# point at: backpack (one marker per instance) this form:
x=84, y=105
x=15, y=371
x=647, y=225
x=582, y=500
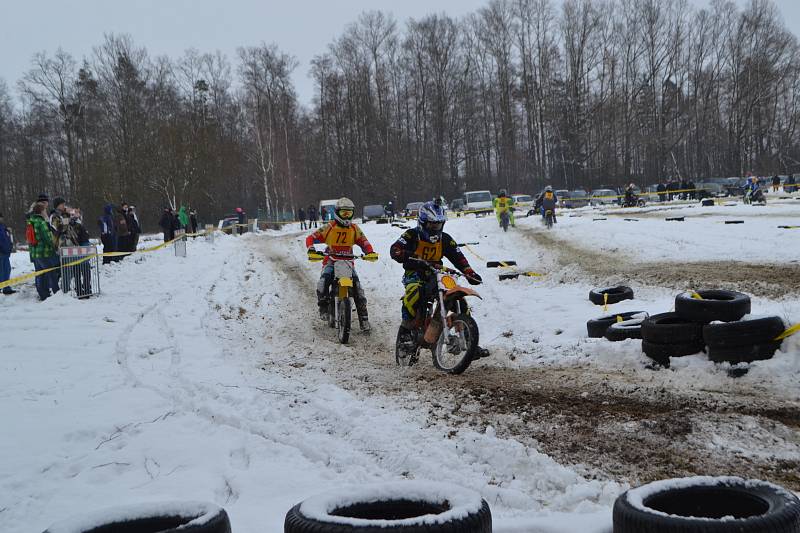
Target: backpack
x=30, y=235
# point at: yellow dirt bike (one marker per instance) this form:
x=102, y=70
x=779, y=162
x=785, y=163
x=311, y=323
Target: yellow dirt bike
x=340, y=291
x=444, y=324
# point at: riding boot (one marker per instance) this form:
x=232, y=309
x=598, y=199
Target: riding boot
x=363, y=319
x=322, y=303
x=405, y=341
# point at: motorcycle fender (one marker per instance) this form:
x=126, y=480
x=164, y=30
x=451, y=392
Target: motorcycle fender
x=461, y=292
x=344, y=287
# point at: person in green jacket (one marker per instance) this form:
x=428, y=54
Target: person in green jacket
x=43, y=253
x=504, y=204
x=183, y=216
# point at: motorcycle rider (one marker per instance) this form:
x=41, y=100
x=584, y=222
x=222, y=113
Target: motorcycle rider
x=504, y=204
x=339, y=235
x=427, y=242
x=630, y=199
x=546, y=201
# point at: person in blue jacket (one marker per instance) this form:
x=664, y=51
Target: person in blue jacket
x=6, y=247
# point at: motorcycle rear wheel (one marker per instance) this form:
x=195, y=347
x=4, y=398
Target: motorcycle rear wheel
x=457, y=345
x=343, y=320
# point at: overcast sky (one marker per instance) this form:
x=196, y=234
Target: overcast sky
x=300, y=27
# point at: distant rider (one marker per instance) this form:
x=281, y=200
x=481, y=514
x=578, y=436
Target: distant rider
x=546, y=201
x=630, y=196
x=504, y=204
x=427, y=242
x=340, y=235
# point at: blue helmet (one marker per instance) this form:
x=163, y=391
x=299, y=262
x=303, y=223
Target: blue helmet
x=430, y=221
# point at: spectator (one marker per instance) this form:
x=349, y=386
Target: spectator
x=241, y=220
x=83, y=279
x=193, y=221
x=672, y=186
x=6, y=247
x=312, y=216
x=134, y=227
x=661, y=189
x=108, y=233
x=692, y=192
x=776, y=183
x=123, y=232
x=789, y=186
x=183, y=217
x=168, y=224
x=43, y=252
x=301, y=214
x=389, y=210
x=59, y=221
x=683, y=186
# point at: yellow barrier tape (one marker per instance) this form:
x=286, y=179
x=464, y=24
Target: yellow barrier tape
x=791, y=331
x=30, y=275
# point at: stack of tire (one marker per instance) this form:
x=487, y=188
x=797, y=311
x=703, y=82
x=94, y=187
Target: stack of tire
x=710, y=320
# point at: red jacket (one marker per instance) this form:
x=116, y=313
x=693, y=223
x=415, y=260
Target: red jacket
x=339, y=239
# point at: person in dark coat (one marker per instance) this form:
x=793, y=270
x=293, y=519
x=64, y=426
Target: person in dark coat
x=661, y=189
x=312, y=216
x=790, y=185
x=123, y=232
x=692, y=192
x=6, y=247
x=108, y=232
x=168, y=224
x=241, y=220
x=301, y=214
x=134, y=227
x=776, y=183
x=193, y=220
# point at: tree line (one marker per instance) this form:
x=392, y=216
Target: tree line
x=518, y=94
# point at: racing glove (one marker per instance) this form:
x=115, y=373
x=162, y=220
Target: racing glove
x=472, y=276
x=371, y=257
x=314, y=255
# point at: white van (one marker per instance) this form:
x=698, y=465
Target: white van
x=478, y=201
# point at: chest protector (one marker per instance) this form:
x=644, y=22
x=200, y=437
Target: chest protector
x=339, y=237
x=428, y=251
x=548, y=195
x=503, y=203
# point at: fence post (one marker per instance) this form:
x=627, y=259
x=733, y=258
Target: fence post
x=180, y=243
x=210, y=232
x=82, y=279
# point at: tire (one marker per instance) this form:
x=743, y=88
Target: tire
x=671, y=328
x=438, y=511
x=461, y=363
x=627, y=329
x=708, y=202
x=331, y=309
x=343, y=320
x=725, y=306
x=743, y=333
x=615, y=295
x=743, y=354
x=661, y=353
x=597, y=327
x=672, y=506
x=174, y=517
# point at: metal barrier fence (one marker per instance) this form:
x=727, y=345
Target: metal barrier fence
x=80, y=270
x=210, y=232
x=180, y=243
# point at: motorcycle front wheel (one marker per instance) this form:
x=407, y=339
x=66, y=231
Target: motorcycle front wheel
x=343, y=320
x=457, y=345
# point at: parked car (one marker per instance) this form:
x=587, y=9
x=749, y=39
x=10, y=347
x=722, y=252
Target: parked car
x=412, y=209
x=604, y=197
x=228, y=224
x=457, y=205
x=478, y=201
x=373, y=212
x=523, y=203
x=710, y=189
x=577, y=198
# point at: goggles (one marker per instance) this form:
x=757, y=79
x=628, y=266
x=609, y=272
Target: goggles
x=434, y=226
x=346, y=214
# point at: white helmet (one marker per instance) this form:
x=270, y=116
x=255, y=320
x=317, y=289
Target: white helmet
x=548, y=188
x=344, y=211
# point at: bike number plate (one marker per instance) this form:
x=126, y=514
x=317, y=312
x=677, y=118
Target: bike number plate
x=448, y=282
x=345, y=282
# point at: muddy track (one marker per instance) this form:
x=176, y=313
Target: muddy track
x=773, y=281
x=628, y=426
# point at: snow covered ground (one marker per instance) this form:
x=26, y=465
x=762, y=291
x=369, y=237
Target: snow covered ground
x=210, y=378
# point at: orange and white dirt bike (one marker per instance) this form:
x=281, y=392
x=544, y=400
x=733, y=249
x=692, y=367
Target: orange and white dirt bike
x=443, y=324
x=340, y=292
